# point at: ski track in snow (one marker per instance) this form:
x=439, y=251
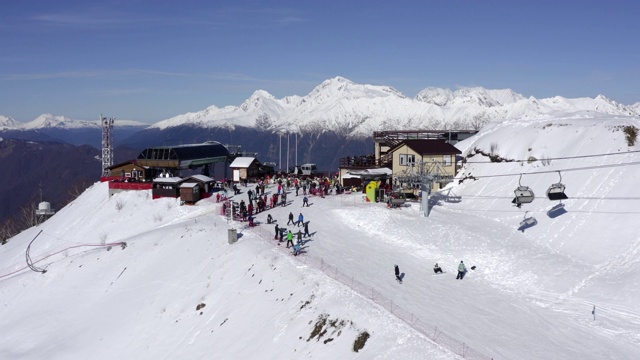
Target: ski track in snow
x=391, y=227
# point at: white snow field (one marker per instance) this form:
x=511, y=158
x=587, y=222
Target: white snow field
x=179, y=290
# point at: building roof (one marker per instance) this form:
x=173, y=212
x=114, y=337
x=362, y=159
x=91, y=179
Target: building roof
x=201, y=178
x=369, y=174
x=183, y=156
x=169, y=180
x=188, y=185
x=429, y=147
x=242, y=162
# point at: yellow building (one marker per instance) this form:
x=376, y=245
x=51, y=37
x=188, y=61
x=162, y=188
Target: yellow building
x=436, y=158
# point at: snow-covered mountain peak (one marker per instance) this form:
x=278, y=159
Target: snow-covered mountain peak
x=48, y=120
x=435, y=96
x=7, y=122
x=256, y=100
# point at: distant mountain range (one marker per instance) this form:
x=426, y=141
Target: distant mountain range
x=348, y=109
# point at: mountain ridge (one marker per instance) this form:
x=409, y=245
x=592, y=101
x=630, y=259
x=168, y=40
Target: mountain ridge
x=356, y=110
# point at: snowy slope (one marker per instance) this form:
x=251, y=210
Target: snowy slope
x=530, y=297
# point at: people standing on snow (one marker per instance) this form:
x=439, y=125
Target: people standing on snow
x=305, y=201
x=277, y=231
x=289, y=238
x=437, y=269
x=299, y=241
x=300, y=220
x=461, y=270
x=397, y=272
x=291, y=219
x=306, y=229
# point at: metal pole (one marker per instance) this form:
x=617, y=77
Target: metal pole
x=288, y=152
x=280, y=159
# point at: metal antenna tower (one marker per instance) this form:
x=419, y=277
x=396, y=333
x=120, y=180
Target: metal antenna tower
x=107, y=144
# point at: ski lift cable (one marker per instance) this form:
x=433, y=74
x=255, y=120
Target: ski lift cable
x=553, y=171
x=557, y=158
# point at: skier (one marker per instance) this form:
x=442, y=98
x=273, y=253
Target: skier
x=461, y=270
x=299, y=233
x=291, y=219
x=300, y=220
x=397, y=271
x=437, y=269
x=269, y=219
x=306, y=229
x=289, y=238
x=277, y=231
x=305, y=201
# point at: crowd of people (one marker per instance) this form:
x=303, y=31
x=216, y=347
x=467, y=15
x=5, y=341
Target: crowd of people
x=257, y=203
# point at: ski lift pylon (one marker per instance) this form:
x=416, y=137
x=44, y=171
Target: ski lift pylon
x=524, y=194
x=556, y=191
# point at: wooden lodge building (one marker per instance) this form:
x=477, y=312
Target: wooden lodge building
x=409, y=155
x=158, y=169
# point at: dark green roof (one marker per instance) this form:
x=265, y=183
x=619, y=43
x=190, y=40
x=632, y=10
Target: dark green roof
x=184, y=155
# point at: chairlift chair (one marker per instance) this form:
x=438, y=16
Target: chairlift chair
x=524, y=194
x=556, y=191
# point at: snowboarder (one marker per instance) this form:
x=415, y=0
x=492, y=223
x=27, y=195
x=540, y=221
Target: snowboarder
x=291, y=219
x=269, y=219
x=461, y=270
x=296, y=249
x=305, y=201
x=397, y=272
x=437, y=269
x=277, y=231
x=289, y=238
x=300, y=220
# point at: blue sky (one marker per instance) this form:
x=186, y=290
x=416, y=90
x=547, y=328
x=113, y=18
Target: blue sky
x=151, y=60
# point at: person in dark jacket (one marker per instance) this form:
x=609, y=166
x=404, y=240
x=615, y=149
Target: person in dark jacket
x=291, y=219
x=305, y=201
x=306, y=229
x=277, y=232
x=437, y=269
x=269, y=219
x=397, y=272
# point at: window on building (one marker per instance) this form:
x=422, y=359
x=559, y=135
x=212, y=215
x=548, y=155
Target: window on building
x=446, y=159
x=407, y=159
